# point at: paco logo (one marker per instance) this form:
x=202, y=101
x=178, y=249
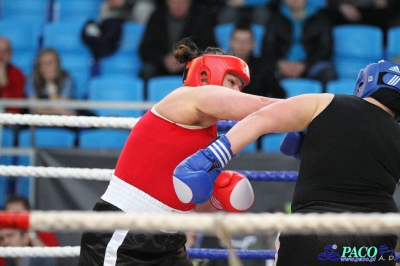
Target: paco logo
x=361, y=252
x=357, y=254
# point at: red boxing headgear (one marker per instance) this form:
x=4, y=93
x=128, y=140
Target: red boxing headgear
x=212, y=68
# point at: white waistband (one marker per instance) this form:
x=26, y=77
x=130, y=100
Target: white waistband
x=133, y=200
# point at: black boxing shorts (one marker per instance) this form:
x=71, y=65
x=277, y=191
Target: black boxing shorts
x=334, y=249
x=122, y=247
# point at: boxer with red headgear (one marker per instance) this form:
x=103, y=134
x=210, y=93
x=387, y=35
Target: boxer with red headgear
x=181, y=123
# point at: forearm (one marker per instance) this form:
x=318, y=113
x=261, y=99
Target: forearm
x=245, y=132
x=269, y=100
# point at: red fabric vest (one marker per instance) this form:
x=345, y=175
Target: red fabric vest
x=153, y=149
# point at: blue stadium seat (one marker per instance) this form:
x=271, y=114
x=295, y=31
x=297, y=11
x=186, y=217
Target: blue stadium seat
x=3, y=191
x=23, y=35
x=256, y=3
x=43, y=138
x=103, y=138
x=161, y=86
x=65, y=37
x=76, y=10
x=351, y=51
x=121, y=64
x=349, y=68
x=24, y=61
x=297, y=86
x=78, y=66
x=271, y=142
x=81, y=84
x=7, y=137
x=341, y=86
x=32, y=10
x=131, y=38
x=116, y=88
x=48, y=138
x=318, y=3
x=393, y=41
x=224, y=31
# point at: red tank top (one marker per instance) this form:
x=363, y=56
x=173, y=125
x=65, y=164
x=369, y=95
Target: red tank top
x=153, y=149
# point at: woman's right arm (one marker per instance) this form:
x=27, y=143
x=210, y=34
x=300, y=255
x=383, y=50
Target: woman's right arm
x=204, y=105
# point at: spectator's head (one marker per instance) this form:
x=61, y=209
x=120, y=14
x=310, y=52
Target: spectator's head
x=13, y=237
x=295, y=5
x=5, y=51
x=16, y=203
x=178, y=8
x=242, y=41
x=47, y=65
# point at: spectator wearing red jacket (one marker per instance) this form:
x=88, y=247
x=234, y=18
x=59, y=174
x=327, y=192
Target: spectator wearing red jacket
x=12, y=79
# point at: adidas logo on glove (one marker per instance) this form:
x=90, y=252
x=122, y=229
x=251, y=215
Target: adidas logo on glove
x=395, y=69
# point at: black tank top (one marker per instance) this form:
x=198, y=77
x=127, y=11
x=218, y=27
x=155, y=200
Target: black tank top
x=350, y=157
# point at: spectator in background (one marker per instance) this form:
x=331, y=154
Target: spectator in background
x=298, y=42
x=263, y=80
x=17, y=203
x=165, y=27
x=20, y=238
x=103, y=36
x=12, y=79
x=380, y=13
x=49, y=81
x=237, y=11
x=137, y=11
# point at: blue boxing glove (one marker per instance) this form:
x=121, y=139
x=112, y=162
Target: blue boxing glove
x=194, y=177
x=292, y=143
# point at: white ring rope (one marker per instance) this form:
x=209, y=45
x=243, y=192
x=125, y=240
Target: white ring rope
x=68, y=121
x=57, y=172
x=59, y=252
x=371, y=223
x=335, y=223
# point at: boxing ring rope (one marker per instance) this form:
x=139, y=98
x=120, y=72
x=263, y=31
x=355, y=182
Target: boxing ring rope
x=223, y=225
x=229, y=223
x=68, y=251
x=105, y=174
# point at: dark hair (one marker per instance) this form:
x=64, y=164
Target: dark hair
x=185, y=50
x=243, y=27
x=39, y=80
x=18, y=198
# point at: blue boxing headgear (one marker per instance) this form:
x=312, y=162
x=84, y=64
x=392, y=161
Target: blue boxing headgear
x=373, y=77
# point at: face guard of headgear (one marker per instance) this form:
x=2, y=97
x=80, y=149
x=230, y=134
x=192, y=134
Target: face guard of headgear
x=373, y=77
x=212, y=68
